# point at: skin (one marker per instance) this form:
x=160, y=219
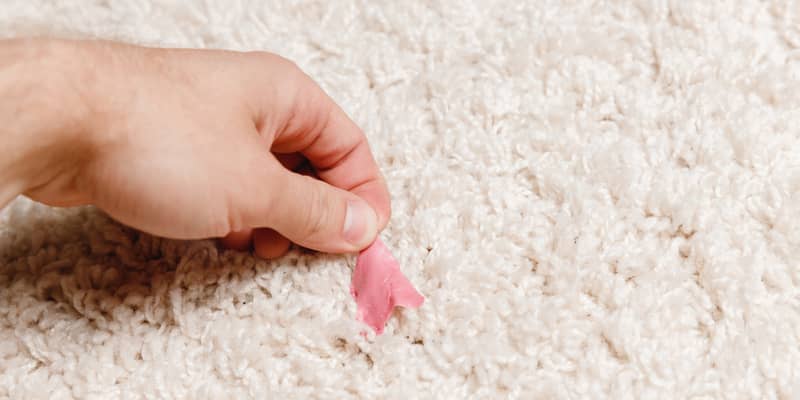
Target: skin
x=187, y=144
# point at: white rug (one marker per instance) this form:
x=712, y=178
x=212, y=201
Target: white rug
x=598, y=199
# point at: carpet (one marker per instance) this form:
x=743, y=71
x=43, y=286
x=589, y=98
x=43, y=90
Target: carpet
x=598, y=199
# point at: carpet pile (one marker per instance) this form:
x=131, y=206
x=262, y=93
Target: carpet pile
x=598, y=199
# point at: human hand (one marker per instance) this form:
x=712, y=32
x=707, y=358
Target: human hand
x=195, y=144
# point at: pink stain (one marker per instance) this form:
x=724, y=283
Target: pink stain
x=378, y=286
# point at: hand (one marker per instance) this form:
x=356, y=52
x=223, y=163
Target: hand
x=195, y=144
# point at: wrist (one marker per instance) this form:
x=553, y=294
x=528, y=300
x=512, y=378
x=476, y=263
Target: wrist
x=45, y=116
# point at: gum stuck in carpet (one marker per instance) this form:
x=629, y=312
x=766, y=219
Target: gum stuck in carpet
x=378, y=286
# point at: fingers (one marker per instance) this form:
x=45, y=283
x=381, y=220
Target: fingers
x=317, y=215
x=344, y=209
x=264, y=241
x=336, y=148
x=269, y=244
x=238, y=240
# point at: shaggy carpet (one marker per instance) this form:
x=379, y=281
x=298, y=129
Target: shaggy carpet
x=598, y=199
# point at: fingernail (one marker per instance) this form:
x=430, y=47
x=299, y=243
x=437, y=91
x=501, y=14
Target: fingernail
x=360, y=223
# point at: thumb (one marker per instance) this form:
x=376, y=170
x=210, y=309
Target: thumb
x=319, y=216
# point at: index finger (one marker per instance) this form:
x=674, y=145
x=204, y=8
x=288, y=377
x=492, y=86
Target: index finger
x=334, y=145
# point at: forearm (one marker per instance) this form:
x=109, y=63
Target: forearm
x=41, y=116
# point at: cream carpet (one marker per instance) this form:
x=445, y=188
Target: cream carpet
x=598, y=199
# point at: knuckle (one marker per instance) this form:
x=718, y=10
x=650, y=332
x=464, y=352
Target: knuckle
x=288, y=65
x=317, y=215
x=282, y=64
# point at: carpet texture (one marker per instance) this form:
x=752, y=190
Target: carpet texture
x=598, y=199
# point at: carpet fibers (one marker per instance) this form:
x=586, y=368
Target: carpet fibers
x=598, y=199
